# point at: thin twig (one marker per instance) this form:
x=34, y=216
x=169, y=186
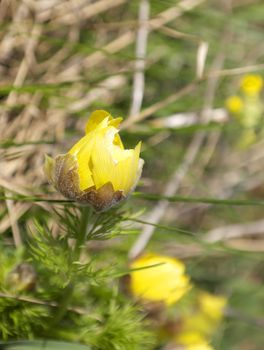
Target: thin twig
x=236, y=71
x=234, y=231
x=159, y=105
x=53, y=304
x=141, y=50
x=179, y=120
x=13, y=222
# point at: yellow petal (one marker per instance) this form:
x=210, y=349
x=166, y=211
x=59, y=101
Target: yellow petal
x=130, y=168
x=122, y=176
x=117, y=141
x=82, y=150
x=104, y=119
x=125, y=173
x=82, y=143
x=97, y=117
x=100, y=162
x=85, y=174
x=115, y=122
x=89, y=139
x=112, y=164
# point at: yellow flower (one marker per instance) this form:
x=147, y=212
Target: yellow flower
x=97, y=170
x=212, y=305
x=251, y=84
x=166, y=282
x=234, y=104
x=193, y=340
x=199, y=322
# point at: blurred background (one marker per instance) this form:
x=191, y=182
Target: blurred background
x=186, y=76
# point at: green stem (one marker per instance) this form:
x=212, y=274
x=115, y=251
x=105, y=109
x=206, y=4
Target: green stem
x=94, y=226
x=81, y=235
x=62, y=309
x=80, y=239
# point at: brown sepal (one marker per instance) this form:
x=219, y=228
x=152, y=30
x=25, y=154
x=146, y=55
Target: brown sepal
x=66, y=181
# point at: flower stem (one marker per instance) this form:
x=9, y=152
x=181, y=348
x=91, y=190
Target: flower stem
x=86, y=213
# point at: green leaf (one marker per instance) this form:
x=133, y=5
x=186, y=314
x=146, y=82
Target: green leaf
x=205, y=200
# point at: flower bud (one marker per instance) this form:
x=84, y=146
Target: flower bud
x=159, y=278
x=97, y=170
x=251, y=84
x=234, y=104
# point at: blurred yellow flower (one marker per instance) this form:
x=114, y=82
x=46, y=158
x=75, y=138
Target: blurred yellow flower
x=212, y=305
x=208, y=315
x=251, y=84
x=193, y=340
x=97, y=170
x=166, y=282
x=234, y=104
x=199, y=322
x=199, y=346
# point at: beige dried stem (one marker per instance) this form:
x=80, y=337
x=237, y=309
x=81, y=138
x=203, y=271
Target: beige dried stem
x=141, y=50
